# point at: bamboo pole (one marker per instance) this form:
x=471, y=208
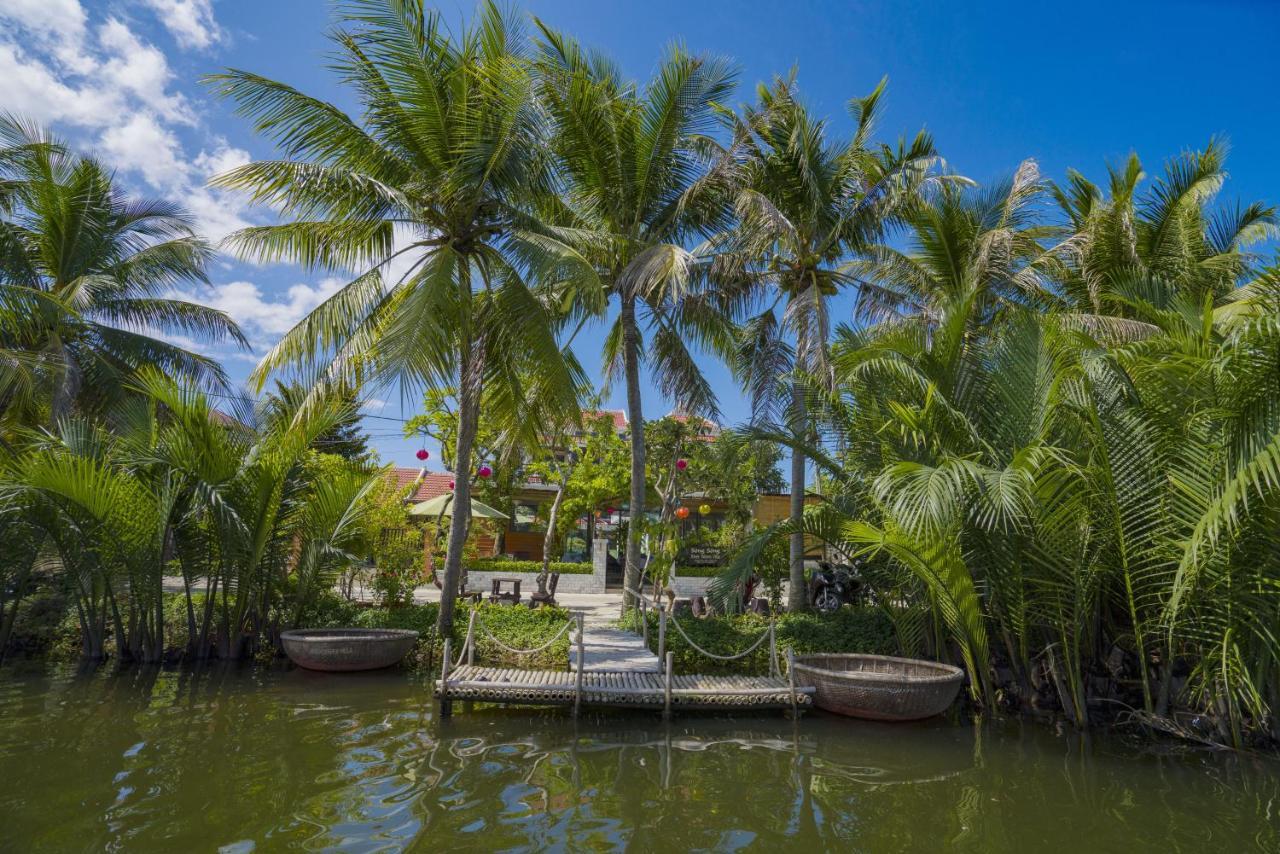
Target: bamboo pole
x=582, y=665
x=791, y=678
x=662, y=631
x=471, y=638
x=666, y=705
x=773, y=648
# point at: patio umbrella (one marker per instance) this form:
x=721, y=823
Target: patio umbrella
x=441, y=504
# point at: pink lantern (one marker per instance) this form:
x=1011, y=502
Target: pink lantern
x=682, y=464
x=485, y=471
x=450, y=484
x=422, y=454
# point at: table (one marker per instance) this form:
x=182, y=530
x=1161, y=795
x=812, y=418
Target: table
x=497, y=594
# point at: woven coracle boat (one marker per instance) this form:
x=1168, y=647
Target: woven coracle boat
x=879, y=687
x=338, y=650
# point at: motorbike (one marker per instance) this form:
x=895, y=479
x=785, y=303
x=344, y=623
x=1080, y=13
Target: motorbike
x=833, y=586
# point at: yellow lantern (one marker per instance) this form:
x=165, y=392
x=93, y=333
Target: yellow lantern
x=705, y=509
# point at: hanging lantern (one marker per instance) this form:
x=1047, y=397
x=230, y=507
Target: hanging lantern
x=485, y=471
x=451, y=486
x=682, y=464
x=422, y=454
x=682, y=512
x=704, y=509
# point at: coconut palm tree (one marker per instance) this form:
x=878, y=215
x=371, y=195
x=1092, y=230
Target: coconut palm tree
x=85, y=278
x=806, y=203
x=640, y=183
x=1132, y=250
x=425, y=196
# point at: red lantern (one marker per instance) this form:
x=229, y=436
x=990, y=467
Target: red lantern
x=682, y=513
x=485, y=471
x=422, y=454
x=451, y=485
x=682, y=464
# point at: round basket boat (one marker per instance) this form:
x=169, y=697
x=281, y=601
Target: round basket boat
x=879, y=687
x=347, y=649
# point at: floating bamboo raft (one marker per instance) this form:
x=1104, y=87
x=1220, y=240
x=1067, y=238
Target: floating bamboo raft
x=630, y=690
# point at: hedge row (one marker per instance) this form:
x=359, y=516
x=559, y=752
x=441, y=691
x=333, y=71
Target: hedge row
x=499, y=564
x=866, y=630
x=516, y=626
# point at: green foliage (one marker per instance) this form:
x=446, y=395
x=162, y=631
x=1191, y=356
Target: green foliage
x=599, y=476
x=86, y=282
x=394, y=544
x=517, y=627
x=499, y=564
x=866, y=630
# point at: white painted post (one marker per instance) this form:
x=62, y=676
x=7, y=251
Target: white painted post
x=666, y=707
x=582, y=665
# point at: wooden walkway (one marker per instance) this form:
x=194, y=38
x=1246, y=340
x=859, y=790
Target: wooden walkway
x=613, y=651
x=619, y=672
x=621, y=690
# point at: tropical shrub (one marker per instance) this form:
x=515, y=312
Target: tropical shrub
x=498, y=564
x=866, y=630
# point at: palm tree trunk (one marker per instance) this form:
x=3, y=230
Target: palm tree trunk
x=550, y=539
x=460, y=523
x=635, y=414
x=797, y=594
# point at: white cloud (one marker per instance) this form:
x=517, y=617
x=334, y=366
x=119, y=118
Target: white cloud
x=57, y=22
x=262, y=315
x=105, y=81
x=223, y=158
x=140, y=69
x=189, y=21
x=142, y=145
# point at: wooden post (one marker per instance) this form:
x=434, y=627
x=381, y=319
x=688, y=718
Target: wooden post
x=582, y=665
x=644, y=620
x=773, y=649
x=666, y=707
x=471, y=638
x=791, y=678
x=662, y=631
x=445, y=708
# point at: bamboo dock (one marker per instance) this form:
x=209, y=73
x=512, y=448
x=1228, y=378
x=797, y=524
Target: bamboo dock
x=613, y=668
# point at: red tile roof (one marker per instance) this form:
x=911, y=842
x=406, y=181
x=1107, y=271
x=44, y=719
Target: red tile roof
x=430, y=483
x=619, y=417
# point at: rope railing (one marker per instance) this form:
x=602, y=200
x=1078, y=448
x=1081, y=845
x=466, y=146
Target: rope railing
x=765, y=635
x=514, y=651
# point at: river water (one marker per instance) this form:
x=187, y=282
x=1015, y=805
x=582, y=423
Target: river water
x=246, y=759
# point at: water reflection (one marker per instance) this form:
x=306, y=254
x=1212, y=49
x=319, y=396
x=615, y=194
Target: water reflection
x=254, y=760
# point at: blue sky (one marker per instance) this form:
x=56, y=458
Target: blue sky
x=1068, y=85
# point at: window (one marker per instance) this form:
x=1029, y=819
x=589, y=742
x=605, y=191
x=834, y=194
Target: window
x=524, y=518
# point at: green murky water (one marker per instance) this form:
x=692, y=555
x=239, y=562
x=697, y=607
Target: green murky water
x=242, y=760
